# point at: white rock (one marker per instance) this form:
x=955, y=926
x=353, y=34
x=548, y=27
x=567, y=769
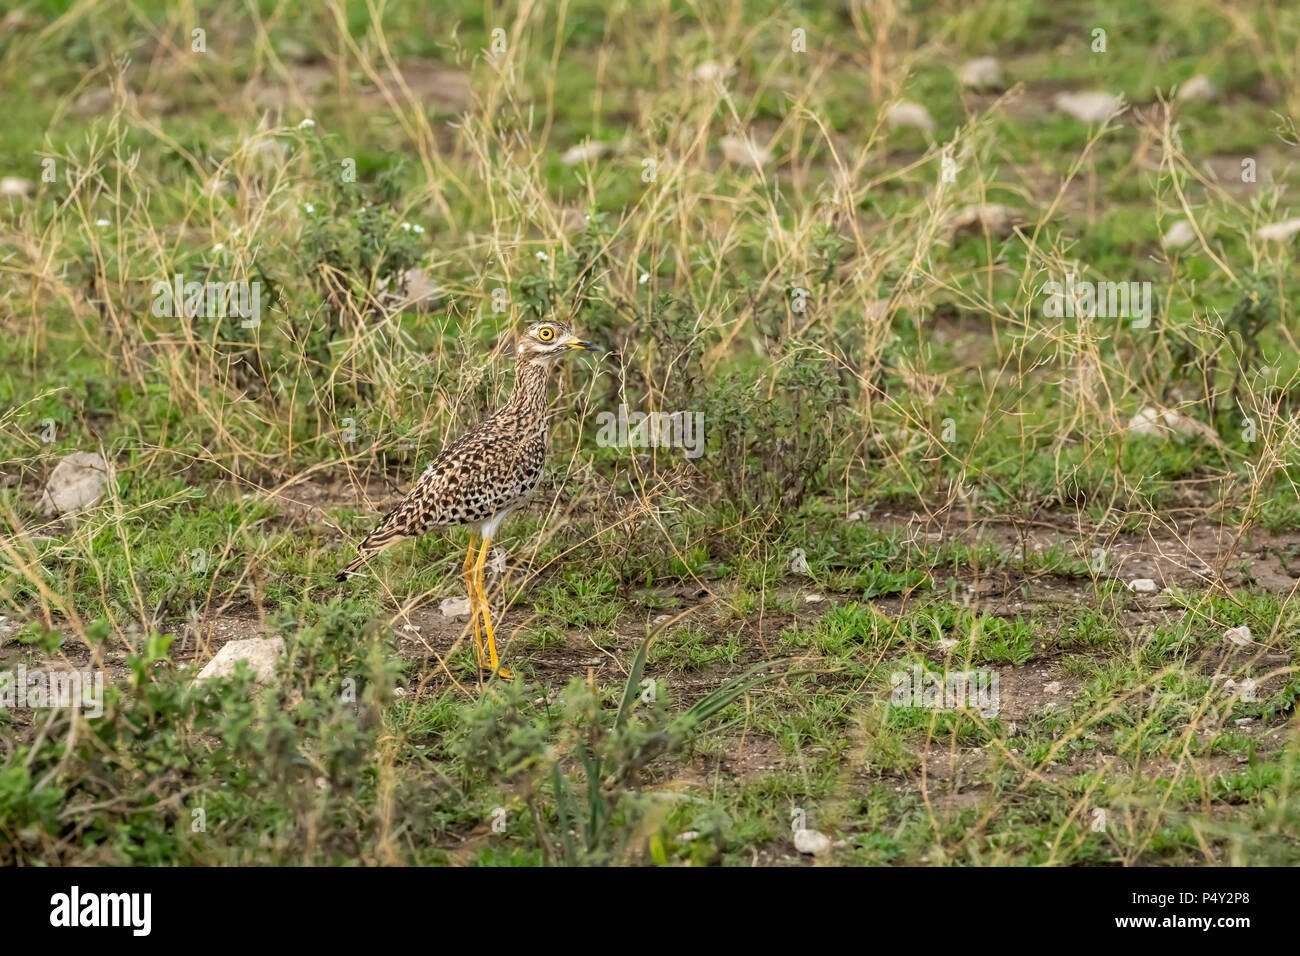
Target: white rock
x=980, y=73
x=77, y=482
x=710, y=72
x=1088, y=107
x=454, y=607
x=743, y=151
x=992, y=218
x=947, y=643
x=1180, y=234
x=856, y=516
x=16, y=21
x=1238, y=635
x=1167, y=423
x=1053, y=687
x=1280, y=231
x=688, y=836
x=419, y=287
x=813, y=599
x=414, y=290
x=811, y=842
x=877, y=310
x=1199, y=87
x=16, y=186
x=907, y=115
x=260, y=652
x=585, y=153
x=1243, y=721
x=1146, y=422
x=1142, y=586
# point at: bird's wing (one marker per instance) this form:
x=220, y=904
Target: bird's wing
x=472, y=479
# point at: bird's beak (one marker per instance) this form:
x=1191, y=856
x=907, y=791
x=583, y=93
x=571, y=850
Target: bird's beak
x=574, y=342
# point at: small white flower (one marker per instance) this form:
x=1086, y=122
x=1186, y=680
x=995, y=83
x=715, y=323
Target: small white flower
x=103, y=223
x=309, y=207
x=218, y=247
x=307, y=124
x=543, y=257
x=645, y=277
x=406, y=227
x=418, y=228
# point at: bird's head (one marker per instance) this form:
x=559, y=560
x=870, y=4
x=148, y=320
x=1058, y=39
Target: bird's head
x=544, y=342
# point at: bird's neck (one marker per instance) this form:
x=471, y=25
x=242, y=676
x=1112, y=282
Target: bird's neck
x=529, y=397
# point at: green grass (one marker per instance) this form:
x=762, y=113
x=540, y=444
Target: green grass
x=704, y=643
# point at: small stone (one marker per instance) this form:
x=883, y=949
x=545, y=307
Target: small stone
x=260, y=653
x=15, y=21
x=1147, y=422
x=1053, y=687
x=877, y=310
x=1142, y=586
x=419, y=287
x=77, y=482
x=855, y=516
x=743, y=151
x=1239, y=635
x=992, y=218
x=947, y=643
x=1199, y=87
x=1279, y=231
x=688, y=836
x=711, y=72
x=16, y=187
x=1088, y=108
x=1180, y=234
x=811, y=842
x=454, y=607
x=1243, y=721
x=981, y=73
x=293, y=50
x=1166, y=423
x=584, y=153
x=813, y=599
x=907, y=115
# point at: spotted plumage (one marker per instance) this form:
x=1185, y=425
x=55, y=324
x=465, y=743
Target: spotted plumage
x=483, y=476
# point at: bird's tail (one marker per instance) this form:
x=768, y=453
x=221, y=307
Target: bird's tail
x=378, y=540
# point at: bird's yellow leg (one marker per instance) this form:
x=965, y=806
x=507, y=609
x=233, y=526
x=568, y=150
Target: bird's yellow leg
x=467, y=572
x=487, y=617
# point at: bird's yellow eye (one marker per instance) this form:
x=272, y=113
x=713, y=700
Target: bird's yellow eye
x=546, y=333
